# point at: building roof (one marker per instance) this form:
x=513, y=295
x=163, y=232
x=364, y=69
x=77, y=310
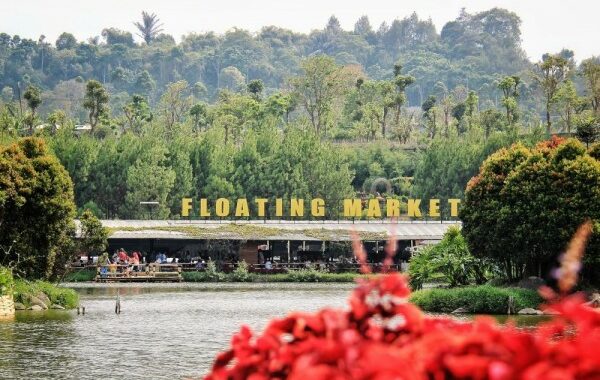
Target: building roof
x=276, y=229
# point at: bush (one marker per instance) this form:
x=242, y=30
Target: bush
x=195, y=277
x=6, y=281
x=305, y=275
x=451, y=259
x=241, y=274
x=65, y=297
x=213, y=274
x=476, y=299
x=80, y=275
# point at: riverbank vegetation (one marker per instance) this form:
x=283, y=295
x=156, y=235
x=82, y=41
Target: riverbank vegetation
x=7, y=282
x=484, y=299
x=30, y=293
x=241, y=274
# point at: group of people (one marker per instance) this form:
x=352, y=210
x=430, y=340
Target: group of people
x=122, y=258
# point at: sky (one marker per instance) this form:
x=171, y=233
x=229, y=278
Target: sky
x=547, y=25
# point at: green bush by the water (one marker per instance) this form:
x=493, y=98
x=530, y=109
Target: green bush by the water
x=6, y=281
x=81, y=275
x=23, y=290
x=483, y=299
x=304, y=275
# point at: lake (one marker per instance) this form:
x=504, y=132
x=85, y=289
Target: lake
x=164, y=331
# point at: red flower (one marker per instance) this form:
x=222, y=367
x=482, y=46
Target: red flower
x=382, y=336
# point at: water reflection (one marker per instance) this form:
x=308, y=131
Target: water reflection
x=162, y=333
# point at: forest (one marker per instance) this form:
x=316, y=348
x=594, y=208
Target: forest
x=283, y=114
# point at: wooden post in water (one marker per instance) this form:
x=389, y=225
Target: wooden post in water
x=118, y=304
x=511, y=305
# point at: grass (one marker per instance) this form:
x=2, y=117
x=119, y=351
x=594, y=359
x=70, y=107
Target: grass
x=483, y=299
x=67, y=298
x=249, y=231
x=305, y=275
x=80, y=275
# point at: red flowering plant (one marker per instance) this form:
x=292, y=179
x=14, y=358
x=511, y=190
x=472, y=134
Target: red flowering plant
x=382, y=336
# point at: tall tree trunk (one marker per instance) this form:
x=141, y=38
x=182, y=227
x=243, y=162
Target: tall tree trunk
x=548, y=122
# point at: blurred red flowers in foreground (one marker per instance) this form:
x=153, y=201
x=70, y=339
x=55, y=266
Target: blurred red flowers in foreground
x=382, y=336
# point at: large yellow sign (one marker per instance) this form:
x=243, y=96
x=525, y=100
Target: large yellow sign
x=298, y=208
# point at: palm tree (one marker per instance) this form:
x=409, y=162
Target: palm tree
x=149, y=27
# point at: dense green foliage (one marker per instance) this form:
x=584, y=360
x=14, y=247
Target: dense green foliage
x=281, y=114
x=67, y=298
x=483, y=299
x=473, y=49
x=36, y=210
x=93, y=237
x=6, y=281
x=525, y=204
x=403, y=111
x=448, y=261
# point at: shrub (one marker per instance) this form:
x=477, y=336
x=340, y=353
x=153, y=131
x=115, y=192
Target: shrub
x=450, y=258
x=241, y=274
x=305, y=275
x=212, y=273
x=195, y=277
x=6, y=281
x=476, y=299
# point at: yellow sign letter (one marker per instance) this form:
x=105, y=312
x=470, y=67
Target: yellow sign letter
x=186, y=206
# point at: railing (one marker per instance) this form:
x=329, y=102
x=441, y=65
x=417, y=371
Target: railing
x=141, y=272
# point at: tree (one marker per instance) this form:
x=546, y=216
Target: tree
x=36, y=209
x=588, y=130
x=95, y=101
x=33, y=96
x=567, y=103
x=320, y=86
x=555, y=185
x=137, y=112
x=510, y=96
x=93, y=238
x=590, y=69
x=175, y=103
x=363, y=26
x=149, y=27
x=429, y=114
x=255, y=87
x=199, y=114
x=149, y=179
x=551, y=72
x=232, y=78
x=66, y=41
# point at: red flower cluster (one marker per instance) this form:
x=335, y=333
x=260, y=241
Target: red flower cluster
x=382, y=336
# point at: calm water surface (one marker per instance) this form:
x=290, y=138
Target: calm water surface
x=163, y=331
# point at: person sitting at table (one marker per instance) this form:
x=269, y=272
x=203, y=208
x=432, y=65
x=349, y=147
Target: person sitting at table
x=161, y=258
x=134, y=260
x=123, y=258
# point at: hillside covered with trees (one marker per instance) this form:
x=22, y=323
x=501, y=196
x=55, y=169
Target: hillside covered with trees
x=280, y=114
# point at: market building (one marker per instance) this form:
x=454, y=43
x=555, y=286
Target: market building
x=255, y=241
